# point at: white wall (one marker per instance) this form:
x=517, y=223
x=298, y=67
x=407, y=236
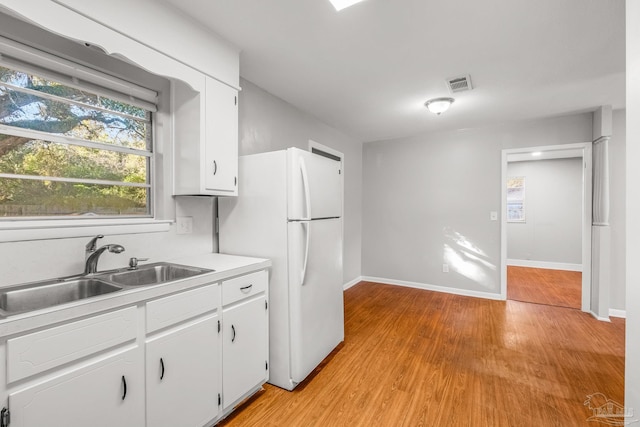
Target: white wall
x=427, y=200
x=268, y=123
x=632, y=364
x=552, y=231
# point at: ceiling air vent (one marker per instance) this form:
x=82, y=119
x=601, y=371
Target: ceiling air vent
x=459, y=84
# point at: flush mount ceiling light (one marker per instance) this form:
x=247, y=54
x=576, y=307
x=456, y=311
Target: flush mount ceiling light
x=439, y=105
x=341, y=4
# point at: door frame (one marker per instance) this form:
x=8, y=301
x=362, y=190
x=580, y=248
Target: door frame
x=551, y=152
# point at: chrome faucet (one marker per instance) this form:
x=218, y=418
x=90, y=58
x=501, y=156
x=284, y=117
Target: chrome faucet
x=91, y=246
x=91, y=265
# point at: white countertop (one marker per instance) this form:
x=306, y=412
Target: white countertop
x=225, y=266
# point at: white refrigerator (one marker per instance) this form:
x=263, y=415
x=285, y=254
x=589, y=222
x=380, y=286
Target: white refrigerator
x=289, y=210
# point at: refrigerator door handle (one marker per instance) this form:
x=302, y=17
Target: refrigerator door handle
x=305, y=183
x=303, y=273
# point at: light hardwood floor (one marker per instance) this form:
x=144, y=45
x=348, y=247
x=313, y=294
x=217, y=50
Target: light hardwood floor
x=542, y=286
x=420, y=358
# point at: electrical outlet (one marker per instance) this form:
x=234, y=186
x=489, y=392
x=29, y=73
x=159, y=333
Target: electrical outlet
x=445, y=268
x=184, y=225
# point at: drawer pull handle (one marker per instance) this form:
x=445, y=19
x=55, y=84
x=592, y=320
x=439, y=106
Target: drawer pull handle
x=162, y=366
x=215, y=167
x=233, y=331
x=246, y=289
x=124, y=386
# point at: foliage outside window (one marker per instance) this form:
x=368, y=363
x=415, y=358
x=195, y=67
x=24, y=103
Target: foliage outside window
x=515, y=199
x=65, y=151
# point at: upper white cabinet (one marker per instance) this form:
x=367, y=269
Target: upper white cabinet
x=206, y=139
x=221, y=136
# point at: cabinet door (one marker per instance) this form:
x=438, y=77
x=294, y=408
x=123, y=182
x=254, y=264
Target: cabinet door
x=221, y=144
x=106, y=393
x=244, y=349
x=183, y=375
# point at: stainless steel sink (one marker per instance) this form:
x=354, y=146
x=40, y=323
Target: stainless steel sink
x=45, y=294
x=154, y=274
x=49, y=293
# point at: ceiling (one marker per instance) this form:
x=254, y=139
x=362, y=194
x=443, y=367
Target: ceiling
x=368, y=69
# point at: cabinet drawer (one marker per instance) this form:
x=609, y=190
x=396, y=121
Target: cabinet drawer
x=185, y=305
x=34, y=353
x=244, y=286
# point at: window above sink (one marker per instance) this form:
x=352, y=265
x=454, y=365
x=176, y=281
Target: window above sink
x=136, y=190
x=68, y=151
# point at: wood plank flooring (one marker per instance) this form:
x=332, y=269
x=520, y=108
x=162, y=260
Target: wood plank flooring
x=542, y=286
x=420, y=358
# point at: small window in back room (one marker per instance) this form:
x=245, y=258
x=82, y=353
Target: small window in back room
x=66, y=150
x=515, y=199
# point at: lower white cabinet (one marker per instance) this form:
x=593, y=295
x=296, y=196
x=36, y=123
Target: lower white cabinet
x=244, y=361
x=245, y=347
x=105, y=393
x=180, y=360
x=183, y=375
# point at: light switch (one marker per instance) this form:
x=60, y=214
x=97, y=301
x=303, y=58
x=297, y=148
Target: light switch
x=493, y=216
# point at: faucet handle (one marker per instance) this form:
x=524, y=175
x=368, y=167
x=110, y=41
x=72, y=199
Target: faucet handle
x=91, y=246
x=133, y=262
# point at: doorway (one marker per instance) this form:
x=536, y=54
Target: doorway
x=546, y=225
x=561, y=288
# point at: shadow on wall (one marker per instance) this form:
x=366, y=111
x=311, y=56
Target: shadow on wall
x=467, y=259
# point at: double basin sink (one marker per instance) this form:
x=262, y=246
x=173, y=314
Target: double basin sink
x=49, y=293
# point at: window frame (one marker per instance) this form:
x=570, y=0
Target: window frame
x=517, y=203
x=31, y=60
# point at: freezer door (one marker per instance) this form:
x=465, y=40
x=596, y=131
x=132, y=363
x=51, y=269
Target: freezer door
x=315, y=293
x=315, y=186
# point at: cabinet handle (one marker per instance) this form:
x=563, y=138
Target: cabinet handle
x=233, y=331
x=124, y=386
x=5, y=417
x=246, y=289
x=162, y=366
x=215, y=167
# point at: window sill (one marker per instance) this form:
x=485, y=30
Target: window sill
x=17, y=231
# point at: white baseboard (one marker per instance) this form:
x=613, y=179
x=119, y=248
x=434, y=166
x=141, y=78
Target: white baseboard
x=544, y=264
x=427, y=287
x=352, y=283
x=617, y=313
x=602, y=319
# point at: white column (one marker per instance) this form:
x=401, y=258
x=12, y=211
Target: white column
x=601, y=181
x=600, y=230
